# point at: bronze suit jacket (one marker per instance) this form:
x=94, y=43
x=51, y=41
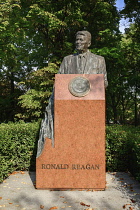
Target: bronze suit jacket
x=94, y=64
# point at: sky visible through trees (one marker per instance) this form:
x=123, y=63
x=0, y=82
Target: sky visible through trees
x=124, y=23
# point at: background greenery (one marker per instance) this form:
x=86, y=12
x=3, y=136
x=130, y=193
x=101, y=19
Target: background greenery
x=18, y=148
x=123, y=149
x=36, y=35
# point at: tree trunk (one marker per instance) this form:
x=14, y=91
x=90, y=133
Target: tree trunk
x=12, y=96
x=136, y=109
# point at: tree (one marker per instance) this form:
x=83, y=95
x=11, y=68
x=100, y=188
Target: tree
x=131, y=48
x=132, y=10
x=9, y=60
x=35, y=33
x=38, y=85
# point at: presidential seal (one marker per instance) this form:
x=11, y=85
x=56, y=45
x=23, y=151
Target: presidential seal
x=79, y=86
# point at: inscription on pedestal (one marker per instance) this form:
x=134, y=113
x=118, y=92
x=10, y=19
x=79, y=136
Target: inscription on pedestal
x=72, y=166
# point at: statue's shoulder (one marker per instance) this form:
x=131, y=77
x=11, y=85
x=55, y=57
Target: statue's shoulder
x=96, y=56
x=68, y=57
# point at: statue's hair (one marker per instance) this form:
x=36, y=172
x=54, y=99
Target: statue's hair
x=84, y=33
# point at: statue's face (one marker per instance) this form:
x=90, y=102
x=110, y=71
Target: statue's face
x=82, y=43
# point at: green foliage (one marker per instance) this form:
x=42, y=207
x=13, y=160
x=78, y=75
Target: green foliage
x=123, y=149
x=38, y=33
x=39, y=86
x=122, y=62
x=117, y=148
x=117, y=79
x=132, y=10
x=130, y=46
x=7, y=102
x=18, y=147
x=34, y=33
x=135, y=157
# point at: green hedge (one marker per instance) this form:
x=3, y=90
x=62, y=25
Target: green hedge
x=123, y=149
x=18, y=147
x=19, y=144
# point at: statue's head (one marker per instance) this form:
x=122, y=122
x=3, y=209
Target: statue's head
x=83, y=41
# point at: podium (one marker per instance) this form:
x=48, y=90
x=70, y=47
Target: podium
x=77, y=160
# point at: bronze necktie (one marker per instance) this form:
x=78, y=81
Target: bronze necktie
x=81, y=64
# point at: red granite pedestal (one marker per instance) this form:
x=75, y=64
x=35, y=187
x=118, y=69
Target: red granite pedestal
x=78, y=159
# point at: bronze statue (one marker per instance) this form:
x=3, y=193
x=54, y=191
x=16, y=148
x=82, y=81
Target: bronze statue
x=82, y=62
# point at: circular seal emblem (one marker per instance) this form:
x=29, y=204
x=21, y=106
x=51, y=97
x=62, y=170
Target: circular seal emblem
x=79, y=86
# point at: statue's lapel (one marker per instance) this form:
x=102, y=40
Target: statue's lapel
x=91, y=64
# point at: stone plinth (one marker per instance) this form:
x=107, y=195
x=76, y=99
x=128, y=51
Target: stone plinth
x=78, y=158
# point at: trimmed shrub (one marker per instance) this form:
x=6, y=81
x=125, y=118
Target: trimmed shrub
x=18, y=147
x=123, y=149
x=134, y=166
